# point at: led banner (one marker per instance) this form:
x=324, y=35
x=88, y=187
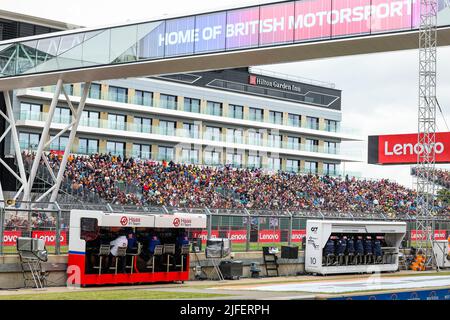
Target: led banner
x=284, y=23
x=50, y=237
x=10, y=238
x=404, y=148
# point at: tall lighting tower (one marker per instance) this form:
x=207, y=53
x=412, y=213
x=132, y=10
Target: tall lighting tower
x=426, y=125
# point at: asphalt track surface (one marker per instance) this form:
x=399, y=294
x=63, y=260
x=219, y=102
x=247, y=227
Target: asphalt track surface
x=283, y=288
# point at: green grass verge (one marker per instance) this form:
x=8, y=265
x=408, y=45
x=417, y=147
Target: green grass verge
x=111, y=295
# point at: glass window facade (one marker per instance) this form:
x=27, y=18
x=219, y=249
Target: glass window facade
x=255, y=138
x=59, y=144
x=312, y=123
x=191, y=130
x=293, y=143
x=214, y=108
x=88, y=146
x=167, y=128
x=115, y=148
x=30, y=111
x=294, y=120
x=118, y=94
x=234, y=159
x=29, y=141
x=212, y=158
x=330, y=169
x=235, y=135
x=141, y=151
x=166, y=153
x=330, y=147
x=142, y=124
x=311, y=166
x=62, y=115
x=116, y=121
x=213, y=133
x=275, y=117
x=236, y=112
x=292, y=165
x=168, y=102
x=192, y=105
x=189, y=155
x=69, y=89
x=254, y=161
x=143, y=98
x=255, y=114
x=274, y=164
x=274, y=141
x=331, y=125
x=95, y=91
x=90, y=119
x=312, y=145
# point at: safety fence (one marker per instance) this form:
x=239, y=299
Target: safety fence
x=248, y=230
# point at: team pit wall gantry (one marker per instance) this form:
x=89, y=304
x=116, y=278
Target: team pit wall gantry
x=319, y=232
x=88, y=226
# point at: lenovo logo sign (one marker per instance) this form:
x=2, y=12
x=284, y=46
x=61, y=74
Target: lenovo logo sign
x=404, y=149
x=399, y=149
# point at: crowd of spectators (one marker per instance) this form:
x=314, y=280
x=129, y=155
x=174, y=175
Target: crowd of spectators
x=37, y=220
x=440, y=177
x=129, y=181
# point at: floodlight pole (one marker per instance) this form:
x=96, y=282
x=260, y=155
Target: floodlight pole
x=426, y=126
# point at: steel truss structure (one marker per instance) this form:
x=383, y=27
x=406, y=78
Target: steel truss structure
x=426, y=125
x=44, y=143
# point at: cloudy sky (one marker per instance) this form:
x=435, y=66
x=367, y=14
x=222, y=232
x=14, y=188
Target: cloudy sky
x=379, y=90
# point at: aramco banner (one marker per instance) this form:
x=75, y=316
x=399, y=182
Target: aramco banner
x=404, y=148
x=282, y=23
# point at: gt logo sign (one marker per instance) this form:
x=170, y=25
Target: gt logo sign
x=124, y=221
x=176, y=222
x=314, y=229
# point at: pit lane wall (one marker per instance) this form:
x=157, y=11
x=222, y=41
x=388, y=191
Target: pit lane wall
x=11, y=272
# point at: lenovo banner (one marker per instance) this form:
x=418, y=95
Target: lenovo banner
x=204, y=235
x=269, y=236
x=438, y=235
x=239, y=236
x=10, y=238
x=404, y=148
x=50, y=237
x=297, y=235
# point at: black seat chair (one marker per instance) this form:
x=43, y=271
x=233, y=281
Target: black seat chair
x=104, y=251
x=156, y=254
x=169, y=252
x=133, y=257
x=121, y=254
x=183, y=253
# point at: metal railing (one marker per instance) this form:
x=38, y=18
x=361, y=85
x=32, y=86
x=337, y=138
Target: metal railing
x=248, y=229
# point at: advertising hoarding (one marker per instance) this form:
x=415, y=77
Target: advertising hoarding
x=283, y=23
x=404, y=149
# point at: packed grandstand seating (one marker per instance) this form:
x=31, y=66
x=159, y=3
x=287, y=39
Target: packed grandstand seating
x=144, y=182
x=441, y=177
x=38, y=220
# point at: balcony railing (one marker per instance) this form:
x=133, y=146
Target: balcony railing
x=171, y=105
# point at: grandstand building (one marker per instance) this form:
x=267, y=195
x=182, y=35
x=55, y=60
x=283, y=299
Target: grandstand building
x=240, y=117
